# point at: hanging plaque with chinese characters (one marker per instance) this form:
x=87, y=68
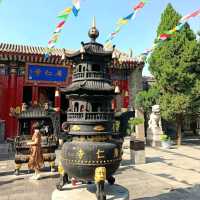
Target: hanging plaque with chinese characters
x=46, y=73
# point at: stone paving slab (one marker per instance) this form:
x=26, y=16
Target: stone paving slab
x=181, y=169
x=88, y=192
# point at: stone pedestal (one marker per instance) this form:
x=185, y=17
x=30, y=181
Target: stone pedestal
x=153, y=137
x=87, y=192
x=137, y=151
x=139, y=129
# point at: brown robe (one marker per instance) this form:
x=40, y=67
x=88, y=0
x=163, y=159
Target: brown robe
x=36, y=161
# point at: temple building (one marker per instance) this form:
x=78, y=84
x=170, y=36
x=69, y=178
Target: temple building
x=29, y=77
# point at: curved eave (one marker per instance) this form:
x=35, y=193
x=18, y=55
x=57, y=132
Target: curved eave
x=79, y=54
x=127, y=64
x=85, y=90
x=33, y=54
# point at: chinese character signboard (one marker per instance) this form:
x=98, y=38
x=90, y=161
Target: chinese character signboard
x=46, y=73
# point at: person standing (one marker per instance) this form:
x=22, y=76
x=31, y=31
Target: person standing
x=36, y=161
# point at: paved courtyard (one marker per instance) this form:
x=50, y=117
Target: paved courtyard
x=172, y=174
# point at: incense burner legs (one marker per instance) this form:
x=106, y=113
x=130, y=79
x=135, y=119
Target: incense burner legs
x=63, y=177
x=62, y=181
x=100, y=177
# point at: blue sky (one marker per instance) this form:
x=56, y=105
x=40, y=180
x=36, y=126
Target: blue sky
x=32, y=22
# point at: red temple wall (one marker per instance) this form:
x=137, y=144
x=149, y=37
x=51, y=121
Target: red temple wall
x=124, y=92
x=11, y=91
x=4, y=99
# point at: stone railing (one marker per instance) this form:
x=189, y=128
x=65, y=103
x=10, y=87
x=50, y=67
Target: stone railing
x=90, y=75
x=33, y=113
x=90, y=116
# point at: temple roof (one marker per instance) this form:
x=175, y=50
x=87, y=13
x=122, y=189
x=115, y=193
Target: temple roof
x=89, y=86
x=90, y=48
x=123, y=60
x=36, y=54
x=26, y=49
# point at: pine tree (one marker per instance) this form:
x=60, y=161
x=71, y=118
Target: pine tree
x=174, y=64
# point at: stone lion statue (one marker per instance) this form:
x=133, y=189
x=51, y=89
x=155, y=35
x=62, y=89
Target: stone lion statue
x=155, y=119
x=154, y=130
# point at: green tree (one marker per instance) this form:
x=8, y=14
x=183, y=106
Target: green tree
x=146, y=99
x=174, y=64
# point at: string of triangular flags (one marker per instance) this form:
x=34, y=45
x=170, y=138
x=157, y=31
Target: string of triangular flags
x=64, y=15
x=168, y=34
x=123, y=21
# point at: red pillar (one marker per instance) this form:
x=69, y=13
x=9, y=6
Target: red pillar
x=19, y=97
x=35, y=95
x=4, y=104
x=20, y=87
x=57, y=100
x=126, y=95
x=12, y=93
x=3, y=95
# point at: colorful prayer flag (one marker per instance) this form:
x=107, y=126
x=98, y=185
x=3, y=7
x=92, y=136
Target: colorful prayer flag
x=65, y=13
x=76, y=7
x=180, y=26
x=108, y=45
x=164, y=36
x=129, y=16
x=122, y=21
x=117, y=30
x=55, y=37
x=58, y=30
x=67, y=10
x=51, y=45
x=61, y=24
x=170, y=31
x=75, y=11
x=147, y=51
x=64, y=16
x=139, y=6
x=193, y=14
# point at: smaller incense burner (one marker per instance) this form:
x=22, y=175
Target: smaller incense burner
x=94, y=153
x=49, y=122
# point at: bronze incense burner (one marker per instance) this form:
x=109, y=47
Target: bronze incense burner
x=95, y=152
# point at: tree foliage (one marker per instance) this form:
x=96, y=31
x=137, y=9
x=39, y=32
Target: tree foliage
x=175, y=64
x=146, y=99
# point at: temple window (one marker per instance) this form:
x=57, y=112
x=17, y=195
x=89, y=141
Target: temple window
x=74, y=69
x=95, y=67
x=76, y=107
x=82, y=108
x=80, y=68
x=96, y=107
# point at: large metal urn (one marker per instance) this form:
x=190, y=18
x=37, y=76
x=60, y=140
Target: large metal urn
x=95, y=152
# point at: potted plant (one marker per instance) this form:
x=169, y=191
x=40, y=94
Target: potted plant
x=165, y=141
x=132, y=122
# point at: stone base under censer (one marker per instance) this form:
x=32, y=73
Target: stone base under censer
x=85, y=192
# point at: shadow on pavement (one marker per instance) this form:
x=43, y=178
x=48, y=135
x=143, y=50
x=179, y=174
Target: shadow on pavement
x=190, y=193
x=10, y=181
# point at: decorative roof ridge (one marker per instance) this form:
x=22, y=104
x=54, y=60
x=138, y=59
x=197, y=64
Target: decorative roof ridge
x=124, y=56
x=28, y=49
